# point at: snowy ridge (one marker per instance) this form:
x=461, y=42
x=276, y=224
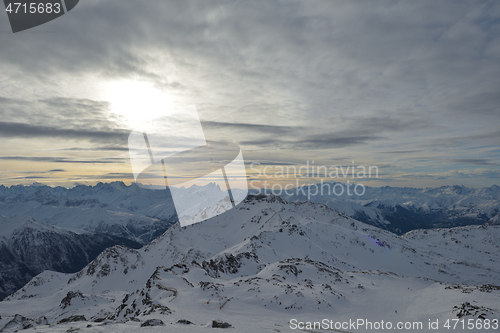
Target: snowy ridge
x=124, y=211
x=273, y=260
x=28, y=247
x=142, y=214
x=136, y=213
x=401, y=209
x=132, y=212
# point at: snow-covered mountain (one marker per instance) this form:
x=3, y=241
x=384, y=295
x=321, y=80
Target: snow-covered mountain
x=28, y=247
x=132, y=212
x=267, y=262
x=114, y=208
x=401, y=209
x=142, y=214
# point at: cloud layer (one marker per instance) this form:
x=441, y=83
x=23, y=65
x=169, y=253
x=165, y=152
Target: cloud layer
x=413, y=85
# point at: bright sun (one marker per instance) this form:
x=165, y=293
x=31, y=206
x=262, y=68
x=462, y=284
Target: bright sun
x=137, y=102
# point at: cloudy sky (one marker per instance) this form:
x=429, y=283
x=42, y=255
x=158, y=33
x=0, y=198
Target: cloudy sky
x=412, y=87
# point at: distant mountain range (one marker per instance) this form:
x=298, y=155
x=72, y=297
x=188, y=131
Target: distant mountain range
x=401, y=209
x=266, y=261
x=141, y=214
x=116, y=209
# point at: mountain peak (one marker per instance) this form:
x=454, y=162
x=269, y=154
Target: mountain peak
x=494, y=220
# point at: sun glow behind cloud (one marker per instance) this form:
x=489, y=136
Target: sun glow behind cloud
x=137, y=103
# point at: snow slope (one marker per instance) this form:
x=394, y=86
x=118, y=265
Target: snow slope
x=264, y=263
x=28, y=247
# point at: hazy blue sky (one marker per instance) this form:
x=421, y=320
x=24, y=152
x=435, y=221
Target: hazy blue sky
x=410, y=86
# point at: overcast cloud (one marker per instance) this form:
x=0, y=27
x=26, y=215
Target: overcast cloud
x=413, y=85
